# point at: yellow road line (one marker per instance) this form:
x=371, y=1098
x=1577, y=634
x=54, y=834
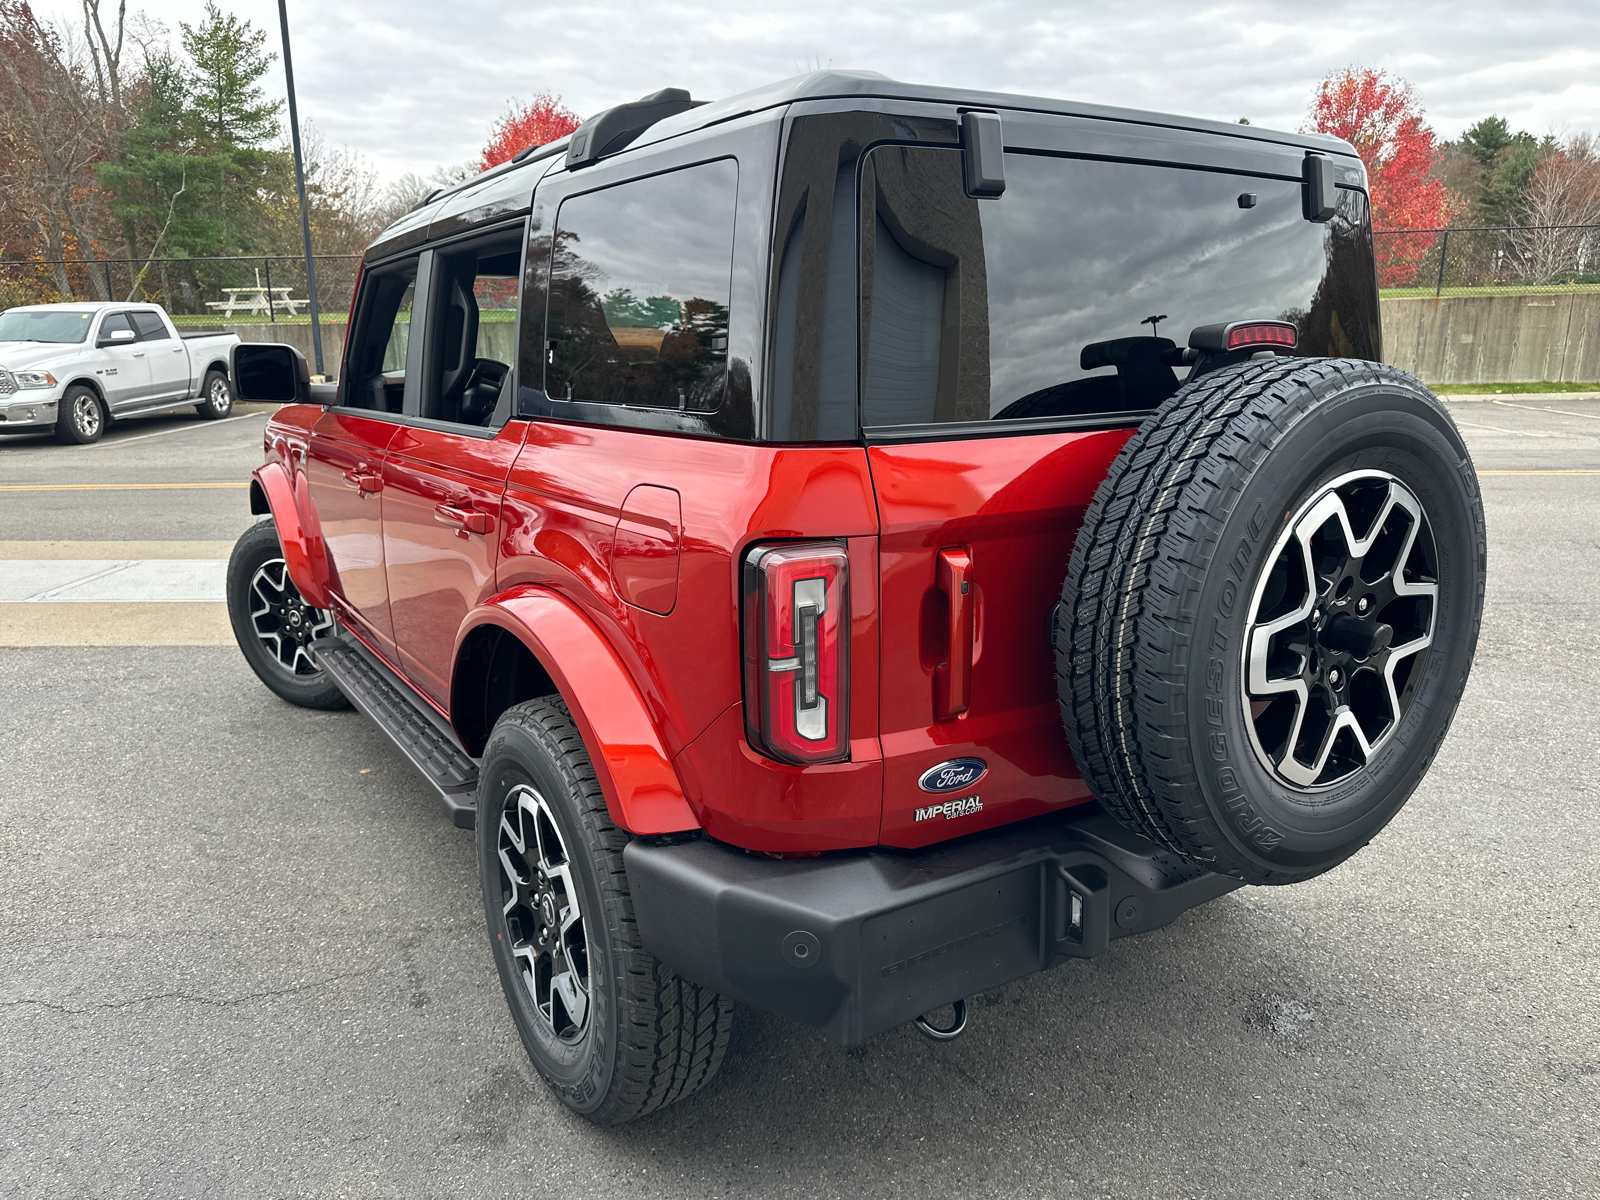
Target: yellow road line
x=1539, y=472
x=109, y=487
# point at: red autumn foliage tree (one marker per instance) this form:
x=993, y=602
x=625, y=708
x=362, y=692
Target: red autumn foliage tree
x=537, y=123
x=1380, y=116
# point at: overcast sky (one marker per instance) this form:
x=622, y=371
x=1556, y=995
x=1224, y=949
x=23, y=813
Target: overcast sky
x=414, y=84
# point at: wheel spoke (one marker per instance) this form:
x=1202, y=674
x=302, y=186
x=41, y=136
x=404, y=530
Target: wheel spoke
x=285, y=625
x=544, y=913
x=1330, y=653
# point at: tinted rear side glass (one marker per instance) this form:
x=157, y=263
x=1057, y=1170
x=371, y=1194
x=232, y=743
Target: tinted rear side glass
x=976, y=310
x=149, y=327
x=639, y=291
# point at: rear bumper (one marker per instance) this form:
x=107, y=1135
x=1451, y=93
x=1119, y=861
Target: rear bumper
x=861, y=942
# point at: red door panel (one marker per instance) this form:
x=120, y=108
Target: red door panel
x=346, y=466
x=974, y=544
x=571, y=489
x=440, y=533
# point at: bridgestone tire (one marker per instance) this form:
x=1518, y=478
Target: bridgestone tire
x=258, y=548
x=650, y=1037
x=216, y=396
x=1153, y=636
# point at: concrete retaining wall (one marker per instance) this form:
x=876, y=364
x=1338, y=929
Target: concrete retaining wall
x=1495, y=339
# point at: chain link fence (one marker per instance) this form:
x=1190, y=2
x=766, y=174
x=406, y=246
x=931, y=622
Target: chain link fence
x=1486, y=260
x=197, y=292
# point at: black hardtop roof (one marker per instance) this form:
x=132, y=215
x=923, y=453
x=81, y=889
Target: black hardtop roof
x=845, y=85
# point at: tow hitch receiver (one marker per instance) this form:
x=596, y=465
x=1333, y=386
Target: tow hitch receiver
x=861, y=941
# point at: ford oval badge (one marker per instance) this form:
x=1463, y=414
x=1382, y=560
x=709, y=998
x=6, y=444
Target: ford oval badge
x=954, y=775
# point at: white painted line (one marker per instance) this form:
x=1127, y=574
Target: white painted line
x=85, y=578
x=104, y=445
x=32, y=580
x=1547, y=408
x=56, y=581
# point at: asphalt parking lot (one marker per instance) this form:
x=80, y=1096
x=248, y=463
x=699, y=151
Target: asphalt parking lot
x=241, y=947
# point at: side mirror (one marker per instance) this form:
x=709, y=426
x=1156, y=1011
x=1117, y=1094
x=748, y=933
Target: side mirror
x=117, y=337
x=270, y=372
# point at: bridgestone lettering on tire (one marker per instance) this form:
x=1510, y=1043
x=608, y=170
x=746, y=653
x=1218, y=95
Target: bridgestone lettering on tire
x=613, y=1032
x=1270, y=613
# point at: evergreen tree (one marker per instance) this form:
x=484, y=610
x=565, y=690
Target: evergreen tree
x=229, y=61
x=1506, y=162
x=230, y=121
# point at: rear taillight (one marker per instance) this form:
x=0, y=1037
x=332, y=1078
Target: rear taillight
x=797, y=651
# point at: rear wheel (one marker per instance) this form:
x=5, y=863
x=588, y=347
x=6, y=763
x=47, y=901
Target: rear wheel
x=615, y=1033
x=1270, y=613
x=216, y=396
x=274, y=626
x=80, y=417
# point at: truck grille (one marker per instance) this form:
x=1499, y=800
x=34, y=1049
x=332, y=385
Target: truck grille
x=7, y=384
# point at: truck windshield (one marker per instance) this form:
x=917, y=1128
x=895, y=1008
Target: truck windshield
x=45, y=325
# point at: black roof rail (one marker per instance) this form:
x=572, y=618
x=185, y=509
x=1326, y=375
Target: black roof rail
x=613, y=129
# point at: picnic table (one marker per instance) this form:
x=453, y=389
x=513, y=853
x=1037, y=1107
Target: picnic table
x=256, y=300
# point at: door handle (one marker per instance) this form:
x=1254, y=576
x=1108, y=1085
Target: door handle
x=952, y=679
x=363, y=480
x=466, y=519
x=138, y=353
x=177, y=349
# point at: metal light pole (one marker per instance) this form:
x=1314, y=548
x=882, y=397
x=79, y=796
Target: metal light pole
x=300, y=189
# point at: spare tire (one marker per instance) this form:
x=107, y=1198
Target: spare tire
x=1270, y=613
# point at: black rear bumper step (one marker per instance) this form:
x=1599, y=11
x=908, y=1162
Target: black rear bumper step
x=421, y=734
x=861, y=942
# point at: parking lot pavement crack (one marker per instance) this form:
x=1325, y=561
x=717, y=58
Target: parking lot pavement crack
x=215, y=1002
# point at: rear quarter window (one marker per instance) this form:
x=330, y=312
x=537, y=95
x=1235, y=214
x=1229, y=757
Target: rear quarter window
x=639, y=291
x=976, y=310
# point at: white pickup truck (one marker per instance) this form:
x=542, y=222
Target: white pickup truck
x=77, y=367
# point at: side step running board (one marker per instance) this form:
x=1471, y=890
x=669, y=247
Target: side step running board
x=420, y=734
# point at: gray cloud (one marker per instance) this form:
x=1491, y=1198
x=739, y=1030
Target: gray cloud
x=413, y=85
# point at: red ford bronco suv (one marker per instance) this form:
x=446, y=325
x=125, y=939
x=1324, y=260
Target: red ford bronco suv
x=852, y=545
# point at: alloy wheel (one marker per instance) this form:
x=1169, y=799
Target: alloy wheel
x=86, y=415
x=1338, y=629
x=285, y=624
x=543, y=913
x=221, y=399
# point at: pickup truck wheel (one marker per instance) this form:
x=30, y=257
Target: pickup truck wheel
x=274, y=626
x=80, y=417
x=1270, y=613
x=612, y=1031
x=216, y=396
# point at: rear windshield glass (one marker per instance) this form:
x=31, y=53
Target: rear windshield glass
x=639, y=291
x=48, y=325
x=1070, y=293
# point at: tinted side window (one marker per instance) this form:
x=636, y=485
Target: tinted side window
x=1069, y=294
x=375, y=359
x=113, y=323
x=472, y=321
x=149, y=327
x=639, y=291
